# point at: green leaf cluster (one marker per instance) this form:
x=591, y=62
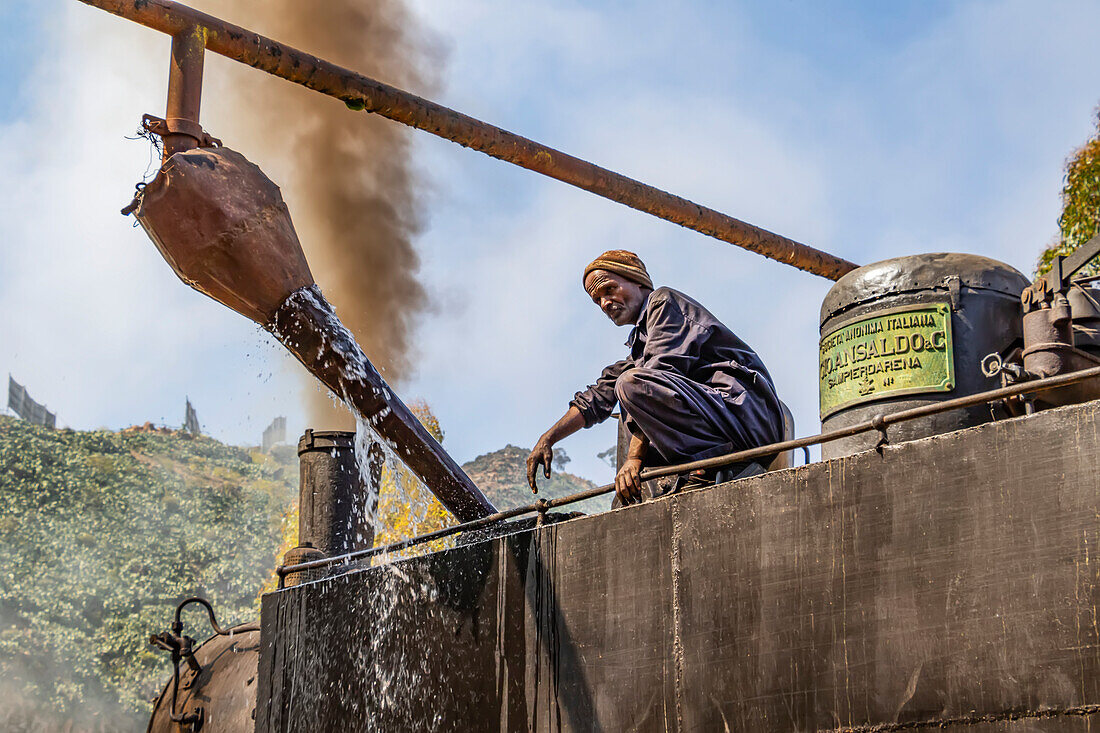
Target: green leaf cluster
x=1080, y=205
x=101, y=534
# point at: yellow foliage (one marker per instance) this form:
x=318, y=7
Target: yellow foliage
x=406, y=508
x=288, y=539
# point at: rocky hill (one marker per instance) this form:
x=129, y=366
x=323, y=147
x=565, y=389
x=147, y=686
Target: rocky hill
x=502, y=475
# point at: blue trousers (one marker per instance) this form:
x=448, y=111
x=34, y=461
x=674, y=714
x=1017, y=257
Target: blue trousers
x=688, y=421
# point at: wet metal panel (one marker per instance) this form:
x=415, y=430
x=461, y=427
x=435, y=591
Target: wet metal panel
x=946, y=583
x=414, y=646
x=945, y=578
x=598, y=597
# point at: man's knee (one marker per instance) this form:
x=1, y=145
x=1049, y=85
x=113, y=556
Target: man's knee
x=626, y=387
x=633, y=384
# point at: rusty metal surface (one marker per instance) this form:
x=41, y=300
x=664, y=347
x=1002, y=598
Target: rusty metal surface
x=225, y=688
x=362, y=92
x=946, y=583
x=223, y=227
x=333, y=515
x=1051, y=307
x=297, y=556
x=1049, y=350
x=184, y=92
x=1048, y=333
x=1075, y=719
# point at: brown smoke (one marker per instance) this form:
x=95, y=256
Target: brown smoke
x=347, y=177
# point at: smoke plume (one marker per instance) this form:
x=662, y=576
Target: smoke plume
x=347, y=177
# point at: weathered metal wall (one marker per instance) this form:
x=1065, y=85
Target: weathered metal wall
x=948, y=582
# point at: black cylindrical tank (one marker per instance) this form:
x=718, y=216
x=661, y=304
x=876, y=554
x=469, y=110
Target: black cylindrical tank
x=333, y=516
x=911, y=331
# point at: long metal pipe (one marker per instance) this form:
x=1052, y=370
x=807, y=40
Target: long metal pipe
x=879, y=422
x=359, y=91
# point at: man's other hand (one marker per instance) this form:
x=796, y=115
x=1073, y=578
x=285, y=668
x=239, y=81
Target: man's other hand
x=543, y=454
x=628, y=482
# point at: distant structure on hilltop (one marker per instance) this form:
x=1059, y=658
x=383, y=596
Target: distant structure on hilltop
x=191, y=419
x=22, y=405
x=274, y=434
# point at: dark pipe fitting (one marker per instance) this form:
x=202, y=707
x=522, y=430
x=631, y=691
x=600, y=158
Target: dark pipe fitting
x=333, y=517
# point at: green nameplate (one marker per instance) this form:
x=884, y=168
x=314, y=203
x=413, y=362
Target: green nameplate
x=895, y=352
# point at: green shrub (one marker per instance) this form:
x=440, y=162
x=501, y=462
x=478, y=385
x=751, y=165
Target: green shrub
x=103, y=533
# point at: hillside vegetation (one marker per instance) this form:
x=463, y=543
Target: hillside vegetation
x=101, y=534
x=1080, y=217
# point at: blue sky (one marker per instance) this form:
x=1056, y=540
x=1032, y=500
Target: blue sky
x=20, y=25
x=867, y=129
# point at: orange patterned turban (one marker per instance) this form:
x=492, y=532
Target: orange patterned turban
x=621, y=262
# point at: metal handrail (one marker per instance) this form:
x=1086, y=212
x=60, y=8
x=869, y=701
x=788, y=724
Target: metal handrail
x=879, y=422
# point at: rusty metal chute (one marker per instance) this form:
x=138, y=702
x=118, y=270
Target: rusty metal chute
x=223, y=227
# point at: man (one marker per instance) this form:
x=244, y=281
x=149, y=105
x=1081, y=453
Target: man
x=689, y=389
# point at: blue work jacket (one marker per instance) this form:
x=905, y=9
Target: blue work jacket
x=675, y=333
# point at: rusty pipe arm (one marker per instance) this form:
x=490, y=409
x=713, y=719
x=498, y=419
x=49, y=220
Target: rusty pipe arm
x=362, y=92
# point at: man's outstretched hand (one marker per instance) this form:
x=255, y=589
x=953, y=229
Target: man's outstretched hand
x=628, y=482
x=542, y=454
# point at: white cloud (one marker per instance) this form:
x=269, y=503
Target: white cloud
x=94, y=321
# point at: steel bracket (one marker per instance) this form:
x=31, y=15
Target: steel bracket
x=179, y=126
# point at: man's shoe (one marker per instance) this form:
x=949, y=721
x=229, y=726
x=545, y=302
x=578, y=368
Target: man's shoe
x=738, y=471
x=694, y=480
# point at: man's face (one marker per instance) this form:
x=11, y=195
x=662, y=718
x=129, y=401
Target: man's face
x=620, y=299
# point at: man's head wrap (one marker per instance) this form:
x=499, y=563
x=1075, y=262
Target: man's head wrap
x=620, y=262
